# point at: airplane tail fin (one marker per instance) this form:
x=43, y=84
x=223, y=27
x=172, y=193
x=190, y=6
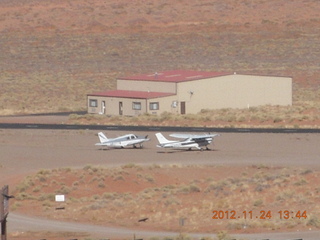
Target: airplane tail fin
x=162, y=139
x=102, y=137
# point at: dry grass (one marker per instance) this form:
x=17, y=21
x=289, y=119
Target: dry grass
x=304, y=113
x=49, y=63
x=165, y=194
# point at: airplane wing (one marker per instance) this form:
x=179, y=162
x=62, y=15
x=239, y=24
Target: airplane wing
x=138, y=141
x=180, y=135
x=192, y=136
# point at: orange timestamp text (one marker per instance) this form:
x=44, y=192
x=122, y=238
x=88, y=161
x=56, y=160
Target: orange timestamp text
x=262, y=214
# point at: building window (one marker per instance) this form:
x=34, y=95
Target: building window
x=136, y=106
x=174, y=104
x=154, y=106
x=93, y=103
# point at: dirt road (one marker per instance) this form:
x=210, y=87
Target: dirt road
x=21, y=223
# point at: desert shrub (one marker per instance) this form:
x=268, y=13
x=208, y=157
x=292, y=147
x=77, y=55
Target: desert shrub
x=47, y=203
x=118, y=178
x=190, y=188
x=154, y=166
x=237, y=224
x=25, y=196
x=25, y=185
x=94, y=179
x=109, y=195
x=168, y=188
x=183, y=236
x=300, y=182
x=223, y=235
x=216, y=186
x=101, y=185
x=284, y=195
x=194, y=188
x=306, y=171
x=277, y=119
x=44, y=197
x=154, y=238
x=64, y=190
x=96, y=206
x=87, y=167
x=129, y=165
x=37, y=189
x=258, y=203
x=76, y=183
x=314, y=221
x=44, y=172
x=149, y=178
x=165, y=116
x=261, y=187
x=205, y=111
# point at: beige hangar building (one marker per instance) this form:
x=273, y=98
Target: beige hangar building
x=184, y=92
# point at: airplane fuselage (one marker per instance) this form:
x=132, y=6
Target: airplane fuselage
x=121, y=142
x=189, y=141
x=198, y=143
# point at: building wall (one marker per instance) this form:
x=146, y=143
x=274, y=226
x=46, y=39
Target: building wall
x=115, y=106
x=112, y=106
x=166, y=104
x=152, y=86
x=235, y=91
x=232, y=91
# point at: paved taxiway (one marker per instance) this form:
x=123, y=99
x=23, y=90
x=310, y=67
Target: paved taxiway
x=26, y=151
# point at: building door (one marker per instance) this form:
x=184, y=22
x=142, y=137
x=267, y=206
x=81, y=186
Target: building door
x=103, y=107
x=120, y=108
x=183, y=107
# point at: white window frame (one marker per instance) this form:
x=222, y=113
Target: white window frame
x=136, y=105
x=93, y=102
x=154, y=106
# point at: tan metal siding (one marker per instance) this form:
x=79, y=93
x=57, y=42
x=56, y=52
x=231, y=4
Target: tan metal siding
x=165, y=105
x=235, y=91
x=133, y=85
x=232, y=91
x=112, y=106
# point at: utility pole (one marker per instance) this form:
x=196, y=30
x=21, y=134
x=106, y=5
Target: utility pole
x=4, y=210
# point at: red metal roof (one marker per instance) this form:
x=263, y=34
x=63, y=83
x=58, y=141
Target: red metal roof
x=176, y=76
x=131, y=94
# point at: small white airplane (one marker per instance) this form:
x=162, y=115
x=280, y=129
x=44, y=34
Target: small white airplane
x=189, y=141
x=122, y=141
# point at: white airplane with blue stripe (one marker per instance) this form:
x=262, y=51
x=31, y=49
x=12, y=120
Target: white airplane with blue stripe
x=189, y=141
x=122, y=141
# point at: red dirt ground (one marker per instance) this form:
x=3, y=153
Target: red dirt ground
x=165, y=194
x=151, y=15
x=26, y=152
x=245, y=172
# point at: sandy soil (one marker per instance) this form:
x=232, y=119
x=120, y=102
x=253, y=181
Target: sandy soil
x=153, y=15
x=46, y=44
x=26, y=152
x=53, y=53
